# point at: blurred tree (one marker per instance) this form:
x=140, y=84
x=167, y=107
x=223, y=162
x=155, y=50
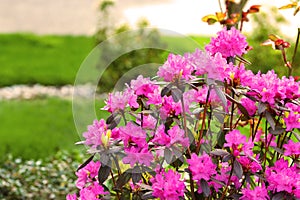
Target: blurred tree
x=264, y=58
x=141, y=37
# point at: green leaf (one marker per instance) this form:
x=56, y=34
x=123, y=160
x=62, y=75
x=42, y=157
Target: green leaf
x=278, y=150
x=166, y=90
x=221, y=95
x=244, y=111
x=176, y=94
x=124, y=178
x=227, y=158
x=148, y=195
x=168, y=155
x=261, y=107
x=219, y=152
x=205, y=188
x=238, y=169
x=86, y=163
x=113, y=120
x=136, y=174
x=277, y=131
x=103, y=173
x=270, y=119
x=279, y=196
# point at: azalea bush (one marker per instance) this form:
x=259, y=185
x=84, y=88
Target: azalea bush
x=204, y=128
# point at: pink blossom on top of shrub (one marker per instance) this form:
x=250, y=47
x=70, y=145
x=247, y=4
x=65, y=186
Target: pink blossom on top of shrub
x=228, y=43
x=120, y=100
x=143, y=86
x=176, y=67
x=169, y=107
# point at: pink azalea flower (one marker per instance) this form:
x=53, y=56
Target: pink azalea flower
x=292, y=118
x=201, y=167
x=139, y=155
x=175, y=67
x=228, y=43
x=215, y=66
x=234, y=138
x=87, y=173
x=281, y=177
x=223, y=178
x=92, y=192
x=149, y=122
x=167, y=185
x=258, y=193
x=175, y=136
x=198, y=59
x=119, y=100
x=154, y=98
x=249, y=105
x=249, y=165
x=94, y=133
x=292, y=148
x=169, y=107
x=143, y=86
x=132, y=133
x=71, y=197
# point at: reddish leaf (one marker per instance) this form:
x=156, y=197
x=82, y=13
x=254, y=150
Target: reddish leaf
x=254, y=9
x=291, y=5
x=273, y=37
x=210, y=19
x=297, y=10
x=220, y=16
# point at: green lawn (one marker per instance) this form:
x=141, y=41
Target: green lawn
x=38, y=128
x=55, y=60
x=48, y=60
x=185, y=44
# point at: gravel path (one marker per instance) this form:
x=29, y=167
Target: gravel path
x=31, y=92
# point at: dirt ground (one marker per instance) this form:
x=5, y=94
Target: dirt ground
x=48, y=16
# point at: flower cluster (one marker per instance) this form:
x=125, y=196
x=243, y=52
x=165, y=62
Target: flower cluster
x=90, y=189
x=228, y=43
x=209, y=128
x=167, y=185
